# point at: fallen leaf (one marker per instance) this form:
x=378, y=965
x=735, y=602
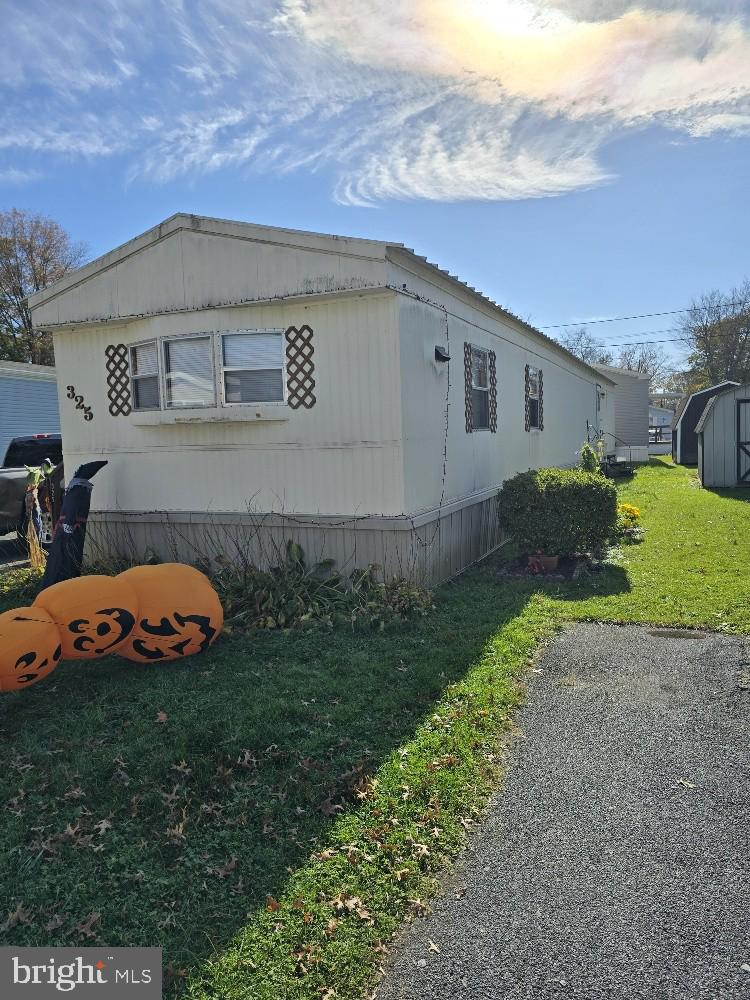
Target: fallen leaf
x=161, y=717
x=85, y=926
x=272, y=905
x=54, y=923
x=19, y=916
x=432, y=946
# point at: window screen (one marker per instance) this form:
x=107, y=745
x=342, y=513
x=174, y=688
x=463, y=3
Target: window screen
x=144, y=370
x=480, y=404
x=189, y=372
x=253, y=367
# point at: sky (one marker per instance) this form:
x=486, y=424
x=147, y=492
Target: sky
x=576, y=160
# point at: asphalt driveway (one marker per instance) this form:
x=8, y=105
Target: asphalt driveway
x=615, y=863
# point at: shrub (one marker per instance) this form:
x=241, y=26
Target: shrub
x=558, y=511
x=588, y=458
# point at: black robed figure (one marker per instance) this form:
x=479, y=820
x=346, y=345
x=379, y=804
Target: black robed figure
x=66, y=552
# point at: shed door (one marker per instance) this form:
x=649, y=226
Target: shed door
x=743, y=441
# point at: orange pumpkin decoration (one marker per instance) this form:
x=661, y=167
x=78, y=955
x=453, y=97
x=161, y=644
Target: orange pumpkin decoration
x=95, y=614
x=179, y=613
x=30, y=647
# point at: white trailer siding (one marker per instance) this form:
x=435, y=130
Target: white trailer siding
x=722, y=430
x=481, y=461
x=366, y=474
x=343, y=456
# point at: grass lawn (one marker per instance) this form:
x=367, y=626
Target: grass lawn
x=270, y=812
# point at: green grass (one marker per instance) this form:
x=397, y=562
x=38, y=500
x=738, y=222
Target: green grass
x=305, y=789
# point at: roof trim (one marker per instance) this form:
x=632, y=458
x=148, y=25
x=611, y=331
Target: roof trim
x=642, y=376
x=706, y=410
x=20, y=369
x=183, y=221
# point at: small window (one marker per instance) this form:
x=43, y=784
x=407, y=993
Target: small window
x=189, y=373
x=253, y=366
x=533, y=400
x=144, y=376
x=480, y=390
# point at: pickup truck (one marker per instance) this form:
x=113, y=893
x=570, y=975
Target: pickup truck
x=23, y=451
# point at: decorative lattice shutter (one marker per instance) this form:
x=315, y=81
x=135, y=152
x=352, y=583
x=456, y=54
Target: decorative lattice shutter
x=118, y=380
x=527, y=425
x=541, y=401
x=467, y=387
x=300, y=367
x=493, y=392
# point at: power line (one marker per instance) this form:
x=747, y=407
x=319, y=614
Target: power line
x=622, y=319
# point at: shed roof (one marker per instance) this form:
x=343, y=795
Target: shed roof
x=615, y=370
x=365, y=249
x=704, y=417
x=687, y=400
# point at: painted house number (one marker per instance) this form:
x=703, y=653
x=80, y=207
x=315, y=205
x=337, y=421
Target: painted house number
x=71, y=394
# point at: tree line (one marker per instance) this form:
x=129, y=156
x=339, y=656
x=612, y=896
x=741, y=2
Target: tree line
x=715, y=334
x=36, y=251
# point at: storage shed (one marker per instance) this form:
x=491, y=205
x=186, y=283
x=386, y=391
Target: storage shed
x=630, y=400
x=687, y=415
x=724, y=438
x=251, y=385
x=28, y=402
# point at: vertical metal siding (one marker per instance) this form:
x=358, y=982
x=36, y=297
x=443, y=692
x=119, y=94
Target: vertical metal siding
x=27, y=406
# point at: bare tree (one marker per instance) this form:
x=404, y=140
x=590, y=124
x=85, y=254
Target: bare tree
x=584, y=346
x=34, y=252
x=653, y=361
x=716, y=330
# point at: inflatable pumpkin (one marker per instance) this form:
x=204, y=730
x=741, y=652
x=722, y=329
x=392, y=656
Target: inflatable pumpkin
x=179, y=613
x=95, y=614
x=30, y=647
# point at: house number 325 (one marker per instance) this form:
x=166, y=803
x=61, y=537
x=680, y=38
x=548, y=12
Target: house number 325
x=80, y=405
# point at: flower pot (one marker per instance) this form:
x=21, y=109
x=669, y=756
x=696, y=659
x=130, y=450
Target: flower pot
x=539, y=563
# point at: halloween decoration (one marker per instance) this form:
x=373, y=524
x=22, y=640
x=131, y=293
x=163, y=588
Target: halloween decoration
x=95, y=614
x=30, y=647
x=66, y=553
x=179, y=613
x=34, y=479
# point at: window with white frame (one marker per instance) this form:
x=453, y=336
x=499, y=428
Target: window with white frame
x=480, y=390
x=144, y=376
x=189, y=379
x=208, y=369
x=253, y=366
x=533, y=397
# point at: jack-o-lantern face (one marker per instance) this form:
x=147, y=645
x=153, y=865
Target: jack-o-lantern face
x=30, y=647
x=95, y=614
x=179, y=613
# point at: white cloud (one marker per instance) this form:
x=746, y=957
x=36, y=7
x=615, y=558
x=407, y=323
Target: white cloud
x=492, y=99
x=12, y=175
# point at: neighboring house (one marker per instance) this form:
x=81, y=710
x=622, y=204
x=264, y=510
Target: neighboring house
x=630, y=397
x=659, y=430
x=28, y=402
x=250, y=384
x=723, y=432
x=687, y=415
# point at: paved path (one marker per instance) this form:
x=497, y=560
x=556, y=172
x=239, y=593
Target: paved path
x=615, y=863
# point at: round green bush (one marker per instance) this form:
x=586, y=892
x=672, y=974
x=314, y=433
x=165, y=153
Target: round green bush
x=558, y=511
